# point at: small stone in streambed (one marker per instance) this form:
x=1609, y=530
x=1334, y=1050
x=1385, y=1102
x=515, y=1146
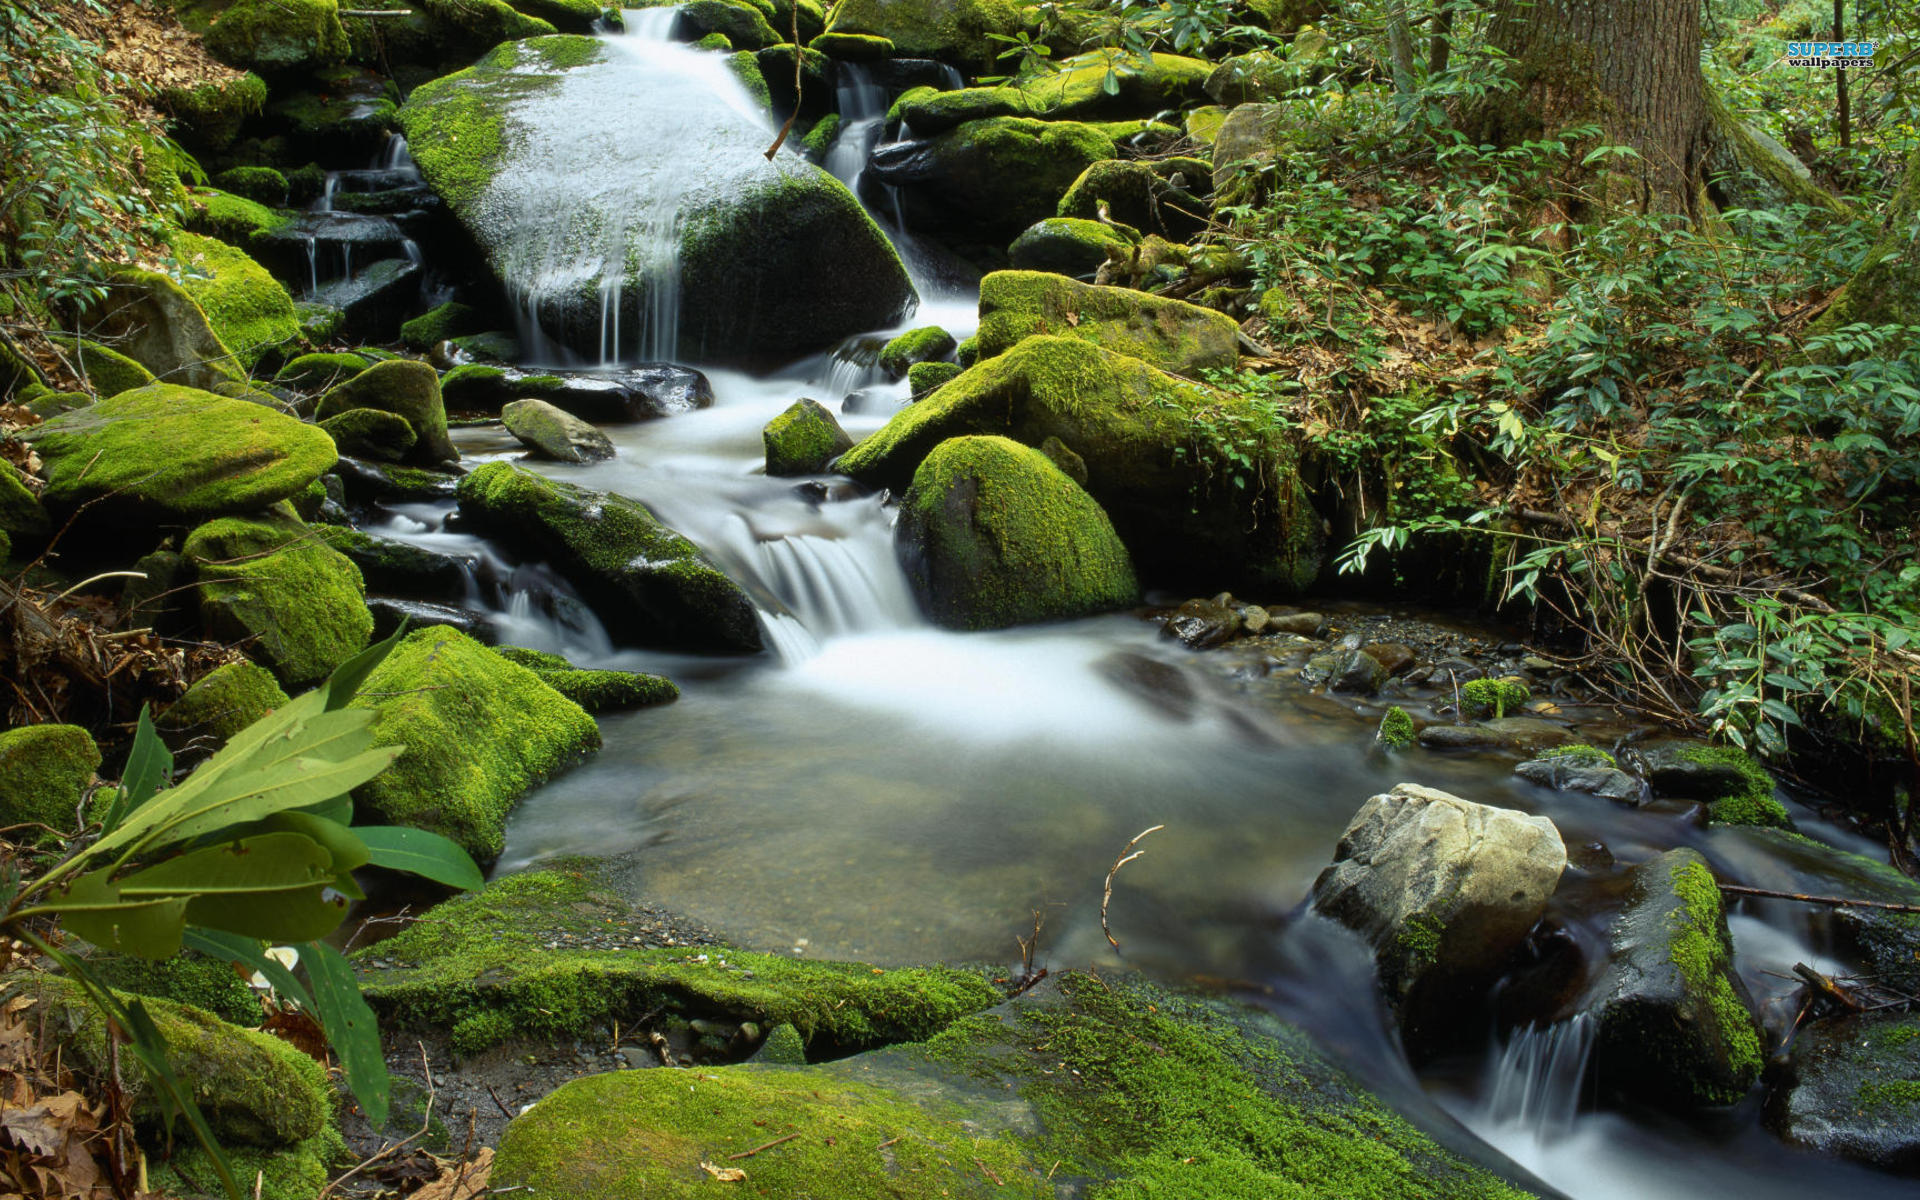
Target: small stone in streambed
x=548, y=432
x=1568, y=775
x=1302, y=624
x=1202, y=624
x=1506, y=733
x=1162, y=685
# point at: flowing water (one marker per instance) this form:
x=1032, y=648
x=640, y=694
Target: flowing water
x=879, y=789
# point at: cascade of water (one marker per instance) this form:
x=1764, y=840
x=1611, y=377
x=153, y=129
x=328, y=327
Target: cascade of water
x=1539, y=1076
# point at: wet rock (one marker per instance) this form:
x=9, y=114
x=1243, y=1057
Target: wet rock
x=1303, y=624
x=1569, y=775
x=804, y=439
x=1852, y=1090
x=1505, y=733
x=395, y=566
x=1738, y=790
x=1393, y=657
x=1161, y=684
x=1445, y=889
x=550, y=432
x=1676, y=1026
x=371, y=482
x=268, y=581
x=389, y=611
x=372, y=303
x=1202, y=624
x=1591, y=857
x=1352, y=671
x=1254, y=619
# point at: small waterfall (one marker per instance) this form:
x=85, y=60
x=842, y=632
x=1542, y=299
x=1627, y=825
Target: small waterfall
x=863, y=117
x=1539, y=1078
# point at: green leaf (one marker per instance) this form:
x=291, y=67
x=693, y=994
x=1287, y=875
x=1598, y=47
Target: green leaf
x=421, y=853
x=94, y=908
x=350, y=1026
x=149, y=764
x=272, y=886
x=250, y=953
x=344, y=684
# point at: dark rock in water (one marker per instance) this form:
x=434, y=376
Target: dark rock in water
x=1353, y=671
x=641, y=393
x=1568, y=775
x=1301, y=624
x=374, y=302
x=389, y=612
x=993, y=178
x=549, y=432
x=1677, y=1029
x=368, y=482
x=327, y=244
x=870, y=401
x=1393, y=657
x=1852, y=1089
x=1506, y=733
x=804, y=439
x=649, y=584
x=900, y=74
x=1738, y=790
x=1162, y=685
x=399, y=567
x=1202, y=624
x=1443, y=888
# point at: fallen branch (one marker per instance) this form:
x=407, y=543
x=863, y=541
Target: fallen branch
x=786, y=129
x=1836, y=901
x=762, y=1146
x=1127, y=855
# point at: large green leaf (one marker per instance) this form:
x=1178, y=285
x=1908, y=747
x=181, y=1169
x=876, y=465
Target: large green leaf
x=251, y=954
x=149, y=764
x=273, y=886
x=93, y=907
x=419, y=852
x=344, y=684
x=350, y=1026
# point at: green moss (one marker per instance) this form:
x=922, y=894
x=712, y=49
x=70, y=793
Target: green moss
x=1492, y=697
x=610, y=691
x=820, y=138
x=279, y=35
x=999, y=176
x=44, y=772
x=1897, y=1094
x=714, y=41
x=1580, y=755
x=318, y=372
x=298, y=604
x=995, y=534
x=803, y=439
x=222, y=702
x=319, y=323
x=1753, y=803
x=1700, y=952
x=852, y=47
x=20, y=510
x=248, y=309
x=1066, y=246
x=212, y=113
x=746, y=68
x=1075, y=89
x=104, y=369
x=1170, y=334
x=1419, y=940
x=925, y=377
x=437, y=324
x=488, y=953
x=537, y=660
x=968, y=351
x=297, y=1172
x=746, y=26
x=263, y=185
x=783, y=1046
x=1396, y=729
x=231, y=219
x=926, y=344
x=479, y=732
x=407, y=389
x=187, y=978
x=956, y=31
x=371, y=433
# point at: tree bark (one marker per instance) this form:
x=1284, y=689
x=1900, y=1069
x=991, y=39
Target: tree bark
x=1631, y=67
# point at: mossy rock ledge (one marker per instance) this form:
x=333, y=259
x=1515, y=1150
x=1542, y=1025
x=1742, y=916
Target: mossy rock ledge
x=961, y=32
x=1108, y=1086
x=991, y=178
x=1150, y=461
x=649, y=584
x=1172, y=335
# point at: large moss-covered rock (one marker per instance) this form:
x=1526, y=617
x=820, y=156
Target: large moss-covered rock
x=296, y=603
x=804, y=439
x=1066, y=246
x=1676, y=1027
x=773, y=257
x=407, y=389
x=450, y=320
x=318, y=372
x=991, y=177
x=106, y=371
x=224, y=701
x=165, y=453
x=44, y=773
x=1156, y=455
x=647, y=582
x=279, y=36
x=20, y=511
x=555, y=954
x=1170, y=334
x=208, y=115
x=1136, y=194
x=994, y=534
x=371, y=433
x=1852, y=1089
x=232, y=219
x=479, y=732
x=1075, y=89
x=1122, y=1087
x=154, y=321
x=961, y=32
x=247, y=308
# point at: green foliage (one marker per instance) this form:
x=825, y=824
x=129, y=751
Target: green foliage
x=1492, y=697
x=1578, y=754
x=1396, y=729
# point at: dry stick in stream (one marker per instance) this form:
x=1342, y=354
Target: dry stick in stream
x=1127, y=855
x=1837, y=901
x=798, y=59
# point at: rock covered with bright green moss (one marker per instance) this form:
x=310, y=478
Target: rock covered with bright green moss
x=1066, y=246
x=1676, y=1028
x=318, y=372
x=485, y=967
x=164, y=452
x=44, y=773
x=596, y=691
x=262, y=185
x=20, y=511
x=962, y=32
x=1172, y=335
x=224, y=701
x=189, y=978
x=1074, y=89
x=1137, y=194
x=106, y=371
x=407, y=389
x=993, y=177
x=1121, y=1086
x=803, y=439
x=450, y=320
x=232, y=219
x=479, y=733
x=279, y=36
x=1154, y=458
x=923, y=378
x=246, y=307
x=152, y=319
x=993, y=534
x=296, y=603
x=1737, y=790
x=371, y=433
x=648, y=583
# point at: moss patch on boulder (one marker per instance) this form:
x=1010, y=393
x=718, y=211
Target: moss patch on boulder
x=104, y=369
x=441, y=322
x=923, y=378
x=926, y=344
x=317, y=372
x=1170, y=334
x=44, y=773
x=1066, y=246
x=279, y=36
x=995, y=177
x=407, y=389
x=804, y=439
x=222, y=702
x=371, y=433
x=247, y=308
x=270, y=583
x=961, y=32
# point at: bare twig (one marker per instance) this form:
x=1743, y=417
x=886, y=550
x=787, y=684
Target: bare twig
x=1836, y=901
x=763, y=1146
x=426, y=1122
x=505, y=1111
x=1127, y=855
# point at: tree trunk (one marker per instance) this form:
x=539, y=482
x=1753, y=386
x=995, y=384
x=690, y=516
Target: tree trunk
x=1632, y=67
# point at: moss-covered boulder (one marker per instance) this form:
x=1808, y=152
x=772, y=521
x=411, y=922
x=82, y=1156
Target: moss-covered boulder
x=1852, y=1089
x=208, y=115
x=229, y=218
x=20, y=511
x=44, y=773
x=441, y=322
x=925, y=344
x=224, y=701
x=774, y=257
x=164, y=453
x=993, y=534
x=648, y=583
x=1736, y=789
x=1066, y=246
x=106, y=371
x=991, y=178
x=1158, y=458
x=594, y=690
x=297, y=604
x=1137, y=194
x=262, y=185
x=154, y=321
x=479, y=732
x=550, y=432
x=1676, y=1028
x=555, y=954
x=961, y=32
x=275, y=37
x=1086, y=87
x=923, y=378
x=246, y=307
x=852, y=47
x=319, y=372
x=372, y=433
x=407, y=389
x=804, y=439
x=1173, y=335
x=745, y=27
x=1123, y=1087
x=190, y=978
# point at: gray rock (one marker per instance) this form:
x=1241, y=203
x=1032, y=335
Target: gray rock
x=1202, y=624
x=1609, y=783
x=552, y=433
x=1394, y=657
x=1352, y=671
x=1304, y=624
x=1852, y=1089
x=1506, y=733
x=1444, y=888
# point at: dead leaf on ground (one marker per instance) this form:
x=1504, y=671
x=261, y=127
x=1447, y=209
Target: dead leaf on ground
x=724, y=1174
x=43, y=1128
x=460, y=1181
